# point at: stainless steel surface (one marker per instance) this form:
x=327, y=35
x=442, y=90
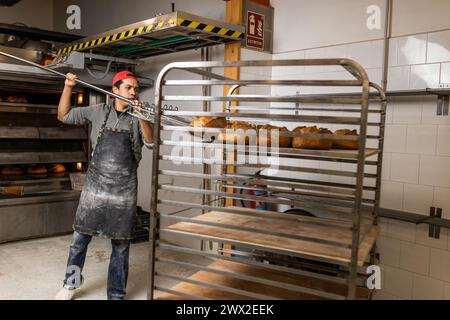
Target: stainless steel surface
x=217, y=255
x=236, y=275
x=263, y=180
x=304, y=203
x=387, y=37
x=98, y=70
x=345, y=200
x=30, y=134
x=336, y=83
x=30, y=55
x=332, y=153
x=37, y=217
x=172, y=32
x=262, y=98
x=414, y=218
x=41, y=133
x=42, y=157
x=359, y=190
x=218, y=287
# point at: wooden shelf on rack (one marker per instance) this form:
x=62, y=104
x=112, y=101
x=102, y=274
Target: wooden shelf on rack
x=337, y=153
x=328, y=240
x=290, y=279
x=332, y=153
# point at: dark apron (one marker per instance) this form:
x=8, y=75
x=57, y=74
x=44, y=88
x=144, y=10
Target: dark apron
x=107, y=205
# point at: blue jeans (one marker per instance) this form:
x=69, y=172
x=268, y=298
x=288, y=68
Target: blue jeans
x=118, y=264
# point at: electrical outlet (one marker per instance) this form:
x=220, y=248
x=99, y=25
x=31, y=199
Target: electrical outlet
x=444, y=85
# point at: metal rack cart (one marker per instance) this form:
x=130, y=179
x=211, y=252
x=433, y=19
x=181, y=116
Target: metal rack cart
x=269, y=248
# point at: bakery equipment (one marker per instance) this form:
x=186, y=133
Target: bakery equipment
x=42, y=203
x=339, y=187
x=30, y=133
x=145, y=111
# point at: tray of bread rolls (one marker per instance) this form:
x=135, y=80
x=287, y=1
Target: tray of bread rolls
x=216, y=131
x=32, y=172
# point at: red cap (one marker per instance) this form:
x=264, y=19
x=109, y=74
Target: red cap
x=123, y=75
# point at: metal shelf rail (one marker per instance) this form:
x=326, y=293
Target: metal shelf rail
x=343, y=189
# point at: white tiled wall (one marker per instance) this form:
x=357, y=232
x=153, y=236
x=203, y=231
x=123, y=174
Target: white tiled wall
x=416, y=162
x=405, y=167
x=423, y=238
x=443, y=138
x=412, y=50
x=417, y=198
x=426, y=288
x=421, y=139
x=424, y=76
x=438, y=47
x=445, y=72
x=417, y=172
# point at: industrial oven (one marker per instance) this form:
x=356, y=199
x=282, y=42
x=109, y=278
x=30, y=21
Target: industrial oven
x=37, y=152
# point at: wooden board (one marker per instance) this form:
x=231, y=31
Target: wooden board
x=312, y=247
x=254, y=287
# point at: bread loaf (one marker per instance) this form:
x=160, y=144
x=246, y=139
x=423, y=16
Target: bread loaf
x=16, y=99
x=56, y=168
x=209, y=122
x=265, y=135
x=241, y=135
x=311, y=143
x=346, y=144
x=11, y=171
x=37, y=169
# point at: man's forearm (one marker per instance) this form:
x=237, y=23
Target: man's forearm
x=147, y=131
x=64, y=103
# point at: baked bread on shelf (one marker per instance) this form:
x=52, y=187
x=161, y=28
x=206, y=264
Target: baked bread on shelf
x=11, y=171
x=311, y=143
x=56, y=168
x=346, y=144
x=241, y=135
x=37, y=169
x=209, y=122
x=16, y=99
x=265, y=135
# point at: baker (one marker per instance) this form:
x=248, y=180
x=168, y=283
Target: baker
x=107, y=206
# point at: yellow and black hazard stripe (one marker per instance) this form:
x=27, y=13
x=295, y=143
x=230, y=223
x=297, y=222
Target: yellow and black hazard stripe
x=209, y=28
x=117, y=36
x=149, y=28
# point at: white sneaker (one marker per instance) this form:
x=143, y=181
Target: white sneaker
x=66, y=293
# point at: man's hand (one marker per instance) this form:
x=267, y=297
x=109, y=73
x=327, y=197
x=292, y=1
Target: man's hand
x=70, y=80
x=137, y=103
x=64, y=101
x=147, y=129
